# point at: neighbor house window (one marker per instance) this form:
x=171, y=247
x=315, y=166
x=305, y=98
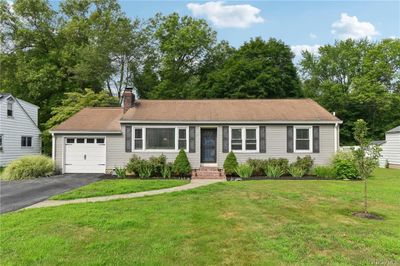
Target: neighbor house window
x=244, y=138
x=9, y=108
x=182, y=138
x=1, y=142
x=26, y=141
x=303, y=138
x=138, y=136
x=160, y=139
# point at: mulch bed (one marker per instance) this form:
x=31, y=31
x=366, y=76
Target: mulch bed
x=309, y=177
x=368, y=215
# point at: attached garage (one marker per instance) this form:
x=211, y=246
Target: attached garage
x=85, y=155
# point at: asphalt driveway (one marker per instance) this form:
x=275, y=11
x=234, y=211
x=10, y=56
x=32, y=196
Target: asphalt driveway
x=15, y=195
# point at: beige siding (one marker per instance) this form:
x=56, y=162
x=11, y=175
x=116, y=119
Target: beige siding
x=276, y=148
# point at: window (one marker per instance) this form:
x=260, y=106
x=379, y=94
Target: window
x=138, y=139
x=1, y=142
x=89, y=140
x=70, y=140
x=160, y=138
x=26, y=141
x=236, y=142
x=302, y=139
x=9, y=108
x=80, y=140
x=182, y=140
x=244, y=138
x=100, y=141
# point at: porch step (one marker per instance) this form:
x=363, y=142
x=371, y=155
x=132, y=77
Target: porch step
x=208, y=173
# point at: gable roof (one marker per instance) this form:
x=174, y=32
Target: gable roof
x=9, y=95
x=394, y=130
x=220, y=110
x=93, y=119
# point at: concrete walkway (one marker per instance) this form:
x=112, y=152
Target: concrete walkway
x=195, y=183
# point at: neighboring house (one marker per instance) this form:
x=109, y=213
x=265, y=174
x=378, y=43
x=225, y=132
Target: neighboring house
x=19, y=132
x=99, y=139
x=390, y=153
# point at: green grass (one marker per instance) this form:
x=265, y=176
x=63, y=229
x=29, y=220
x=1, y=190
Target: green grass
x=118, y=186
x=233, y=223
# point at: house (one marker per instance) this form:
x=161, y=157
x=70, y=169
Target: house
x=390, y=153
x=99, y=139
x=19, y=132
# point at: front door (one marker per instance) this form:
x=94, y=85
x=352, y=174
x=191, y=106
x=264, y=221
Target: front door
x=208, y=145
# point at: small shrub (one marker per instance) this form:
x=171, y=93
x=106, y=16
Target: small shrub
x=230, y=164
x=134, y=165
x=145, y=169
x=28, y=167
x=166, y=171
x=282, y=163
x=304, y=163
x=296, y=171
x=158, y=164
x=325, y=171
x=120, y=172
x=258, y=166
x=345, y=166
x=181, y=165
x=244, y=170
x=274, y=171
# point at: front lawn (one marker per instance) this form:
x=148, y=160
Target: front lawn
x=118, y=186
x=234, y=223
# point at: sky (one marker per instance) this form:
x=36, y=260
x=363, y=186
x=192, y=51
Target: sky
x=300, y=24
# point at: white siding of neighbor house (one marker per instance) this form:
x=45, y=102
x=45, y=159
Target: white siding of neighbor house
x=13, y=128
x=391, y=151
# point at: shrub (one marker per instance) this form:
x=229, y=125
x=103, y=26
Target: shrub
x=181, y=165
x=120, y=172
x=304, y=163
x=158, y=164
x=145, y=169
x=166, y=171
x=258, y=166
x=274, y=171
x=282, y=163
x=28, y=167
x=134, y=165
x=244, y=170
x=344, y=165
x=230, y=164
x=325, y=171
x=296, y=171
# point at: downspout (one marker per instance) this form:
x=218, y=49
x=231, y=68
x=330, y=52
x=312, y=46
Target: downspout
x=53, y=147
x=336, y=137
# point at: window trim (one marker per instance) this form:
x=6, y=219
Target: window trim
x=310, y=138
x=243, y=132
x=144, y=149
x=26, y=142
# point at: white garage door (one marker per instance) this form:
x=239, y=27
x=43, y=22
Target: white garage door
x=85, y=155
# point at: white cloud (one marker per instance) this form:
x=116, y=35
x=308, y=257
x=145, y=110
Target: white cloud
x=227, y=16
x=312, y=35
x=351, y=27
x=298, y=49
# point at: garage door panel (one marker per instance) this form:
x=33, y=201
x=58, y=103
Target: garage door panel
x=85, y=158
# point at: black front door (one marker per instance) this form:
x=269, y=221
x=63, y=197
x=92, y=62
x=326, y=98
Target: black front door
x=208, y=145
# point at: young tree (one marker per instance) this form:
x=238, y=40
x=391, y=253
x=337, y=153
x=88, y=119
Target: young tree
x=366, y=156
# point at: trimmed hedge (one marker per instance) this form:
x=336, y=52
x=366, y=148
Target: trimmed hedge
x=230, y=164
x=28, y=167
x=181, y=165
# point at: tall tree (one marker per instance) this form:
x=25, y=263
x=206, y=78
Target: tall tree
x=258, y=69
x=356, y=79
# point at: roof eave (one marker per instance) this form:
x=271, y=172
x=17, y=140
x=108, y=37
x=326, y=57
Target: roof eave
x=232, y=122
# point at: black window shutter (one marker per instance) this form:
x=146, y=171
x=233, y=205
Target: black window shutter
x=316, y=139
x=289, y=139
x=225, y=139
x=128, y=138
x=263, y=148
x=192, y=139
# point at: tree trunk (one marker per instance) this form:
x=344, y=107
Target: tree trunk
x=365, y=196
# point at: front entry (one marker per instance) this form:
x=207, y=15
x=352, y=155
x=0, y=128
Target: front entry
x=208, y=145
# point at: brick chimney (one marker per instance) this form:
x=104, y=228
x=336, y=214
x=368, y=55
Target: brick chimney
x=129, y=99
